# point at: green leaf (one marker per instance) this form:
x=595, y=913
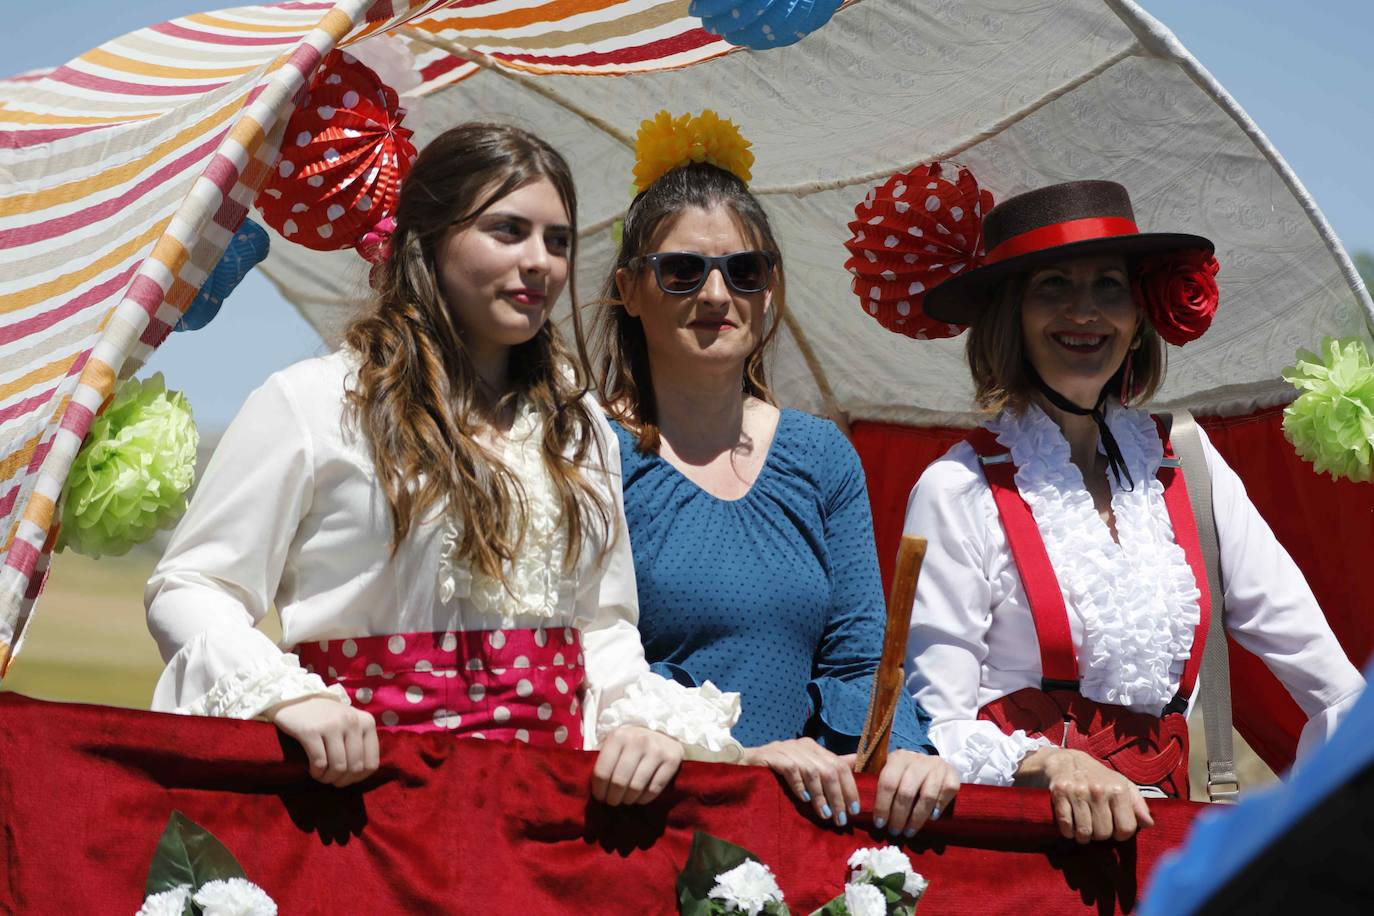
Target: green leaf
x=710, y=856
x=835, y=907
x=188, y=854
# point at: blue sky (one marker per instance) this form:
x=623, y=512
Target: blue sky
x=1303, y=73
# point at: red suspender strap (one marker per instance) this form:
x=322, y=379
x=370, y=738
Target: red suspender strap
x=1186, y=536
x=1058, y=661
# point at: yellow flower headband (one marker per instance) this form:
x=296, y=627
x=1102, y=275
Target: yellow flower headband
x=666, y=142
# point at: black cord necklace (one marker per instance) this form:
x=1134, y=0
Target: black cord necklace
x=1115, y=462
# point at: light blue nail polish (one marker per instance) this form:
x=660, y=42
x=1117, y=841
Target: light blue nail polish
x=854, y=807
x=841, y=820
x=879, y=823
x=910, y=832
x=806, y=796
x=826, y=812
x=935, y=813
x=893, y=830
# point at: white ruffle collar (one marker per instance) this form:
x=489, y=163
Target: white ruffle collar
x=539, y=588
x=1138, y=599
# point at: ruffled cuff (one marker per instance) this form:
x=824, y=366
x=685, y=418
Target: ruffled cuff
x=249, y=691
x=839, y=709
x=993, y=762
x=697, y=717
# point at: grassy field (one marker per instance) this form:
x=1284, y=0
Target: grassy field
x=89, y=643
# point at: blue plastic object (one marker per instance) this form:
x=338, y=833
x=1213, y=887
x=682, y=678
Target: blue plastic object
x=763, y=24
x=244, y=252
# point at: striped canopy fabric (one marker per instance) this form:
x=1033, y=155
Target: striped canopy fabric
x=123, y=174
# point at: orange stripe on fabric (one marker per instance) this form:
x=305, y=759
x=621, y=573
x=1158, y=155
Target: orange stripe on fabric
x=102, y=58
x=230, y=25
x=84, y=187
x=170, y=253
x=15, y=116
x=99, y=377
x=68, y=282
x=247, y=133
x=55, y=369
x=336, y=25
x=19, y=459
x=548, y=13
x=39, y=510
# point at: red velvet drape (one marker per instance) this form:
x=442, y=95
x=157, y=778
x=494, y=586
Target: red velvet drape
x=1328, y=527
x=480, y=827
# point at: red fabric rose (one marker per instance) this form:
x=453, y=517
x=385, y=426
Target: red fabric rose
x=1178, y=291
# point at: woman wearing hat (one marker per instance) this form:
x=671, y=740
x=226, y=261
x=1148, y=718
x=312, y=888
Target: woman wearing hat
x=1059, y=620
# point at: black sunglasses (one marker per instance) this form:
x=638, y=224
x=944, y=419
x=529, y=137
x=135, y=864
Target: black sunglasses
x=682, y=273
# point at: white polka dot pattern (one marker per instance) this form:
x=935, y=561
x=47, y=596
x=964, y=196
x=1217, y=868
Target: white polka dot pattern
x=497, y=684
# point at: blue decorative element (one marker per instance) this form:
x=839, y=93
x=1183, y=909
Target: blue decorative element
x=763, y=24
x=245, y=250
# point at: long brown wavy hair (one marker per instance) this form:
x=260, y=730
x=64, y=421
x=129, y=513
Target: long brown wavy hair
x=626, y=386
x=418, y=402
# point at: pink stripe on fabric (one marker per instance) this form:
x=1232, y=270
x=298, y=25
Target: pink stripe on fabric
x=155, y=333
x=78, y=419
x=122, y=87
x=147, y=292
x=304, y=59
x=23, y=556
x=380, y=10
x=21, y=329
x=180, y=31
x=23, y=139
x=40, y=454
x=440, y=67
x=221, y=172
x=7, y=501
x=41, y=232
x=27, y=405
x=230, y=214
x=36, y=584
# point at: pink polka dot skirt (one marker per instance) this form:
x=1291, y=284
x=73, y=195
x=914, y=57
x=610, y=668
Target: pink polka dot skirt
x=506, y=685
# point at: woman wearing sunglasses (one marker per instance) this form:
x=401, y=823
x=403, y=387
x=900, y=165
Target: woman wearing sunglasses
x=750, y=526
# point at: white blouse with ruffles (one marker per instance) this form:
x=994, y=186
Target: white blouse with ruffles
x=289, y=513
x=1132, y=603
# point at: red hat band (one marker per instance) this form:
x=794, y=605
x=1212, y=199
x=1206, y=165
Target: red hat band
x=1065, y=233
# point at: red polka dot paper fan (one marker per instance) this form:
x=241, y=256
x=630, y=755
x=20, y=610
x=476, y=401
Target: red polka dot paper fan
x=910, y=234
x=343, y=157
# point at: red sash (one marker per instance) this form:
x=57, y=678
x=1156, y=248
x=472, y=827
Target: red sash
x=1146, y=749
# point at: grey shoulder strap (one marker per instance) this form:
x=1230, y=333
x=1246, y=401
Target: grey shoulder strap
x=1222, y=783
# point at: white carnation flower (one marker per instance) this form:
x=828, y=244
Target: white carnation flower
x=749, y=888
x=876, y=863
x=864, y=900
x=234, y=897
x=166, y=903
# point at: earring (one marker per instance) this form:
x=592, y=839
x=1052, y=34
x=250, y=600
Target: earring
x=1128, y=375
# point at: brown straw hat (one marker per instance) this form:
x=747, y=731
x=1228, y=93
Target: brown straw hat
x=1070, y=220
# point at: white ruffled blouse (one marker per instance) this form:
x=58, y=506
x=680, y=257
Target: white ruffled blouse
x=1132, y=603
x=289, y=514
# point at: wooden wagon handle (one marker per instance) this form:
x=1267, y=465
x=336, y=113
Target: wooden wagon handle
x=888, y=681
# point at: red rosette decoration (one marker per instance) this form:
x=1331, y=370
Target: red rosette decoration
x=343, y=157
x=910, y=234
x=1178, y=291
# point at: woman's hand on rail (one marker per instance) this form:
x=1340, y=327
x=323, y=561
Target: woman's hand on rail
x=813, y=774
x=913, y=788
x=1090, y=800
x=634, y=766
x=339, y=741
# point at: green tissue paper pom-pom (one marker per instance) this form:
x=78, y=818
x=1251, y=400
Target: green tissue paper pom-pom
x=1331, y=424
x=133, y=472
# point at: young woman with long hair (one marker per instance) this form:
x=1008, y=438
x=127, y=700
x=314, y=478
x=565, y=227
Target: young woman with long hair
x=434, y=510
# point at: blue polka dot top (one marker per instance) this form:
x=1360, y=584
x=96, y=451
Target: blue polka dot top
x=776, y=595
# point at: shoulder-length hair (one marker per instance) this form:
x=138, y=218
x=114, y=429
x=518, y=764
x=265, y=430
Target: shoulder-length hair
x=997, y=359
x=625, y=384
x=417, y=401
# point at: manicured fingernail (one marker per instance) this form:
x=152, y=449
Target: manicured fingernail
x=841, y=819
x=825, y=812
x=879, y=823
x=806, y=796
x=853, y=807
x=935, y=813
x=910, y=832
x=894, y=830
